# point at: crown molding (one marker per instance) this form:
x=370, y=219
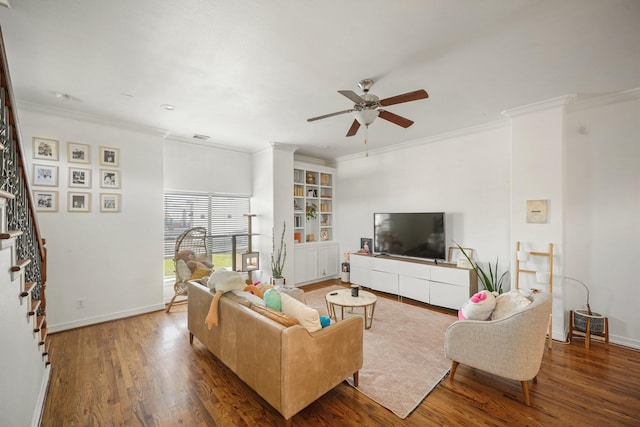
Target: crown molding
x=587, y=102
x=559, y=101
x=207, y=144
x=92, y=118
x=497, y=124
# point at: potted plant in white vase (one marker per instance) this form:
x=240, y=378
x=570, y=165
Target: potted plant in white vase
x=278, y=257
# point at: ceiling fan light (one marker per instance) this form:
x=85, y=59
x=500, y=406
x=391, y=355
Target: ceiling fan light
x=366, y=117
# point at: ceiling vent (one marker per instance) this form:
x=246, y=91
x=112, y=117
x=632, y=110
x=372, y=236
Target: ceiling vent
x=200, y=137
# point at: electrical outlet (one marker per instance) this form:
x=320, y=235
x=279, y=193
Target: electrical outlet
x=80, y=303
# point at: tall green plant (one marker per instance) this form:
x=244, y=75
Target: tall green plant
x=278, y=259
x=490, y=281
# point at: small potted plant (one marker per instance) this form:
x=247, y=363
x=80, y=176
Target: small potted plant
x=312, y=211
x=491, y=281
x=278, y=257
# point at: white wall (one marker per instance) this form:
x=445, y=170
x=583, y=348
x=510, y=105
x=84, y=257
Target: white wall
x=464, y=175
x=193, y=167
x=113, y=261
x=537, y=174
x=602, y=211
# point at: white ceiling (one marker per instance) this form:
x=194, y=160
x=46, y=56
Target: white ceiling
x=251, y=72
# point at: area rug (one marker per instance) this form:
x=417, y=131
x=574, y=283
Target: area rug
x=403, y=352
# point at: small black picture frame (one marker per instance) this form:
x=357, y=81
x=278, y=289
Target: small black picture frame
x=366, y=243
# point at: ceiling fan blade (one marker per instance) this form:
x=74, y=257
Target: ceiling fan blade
x=354, y=128
x=352, y=96
x=394, y=118
x=330, y=115
x=406, y=97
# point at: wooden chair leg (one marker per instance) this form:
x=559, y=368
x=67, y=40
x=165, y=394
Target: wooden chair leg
x=535, y=379
x=454, y=366
x=525, y=390
x=170, y=303
x=287, y=422
x=355, y=378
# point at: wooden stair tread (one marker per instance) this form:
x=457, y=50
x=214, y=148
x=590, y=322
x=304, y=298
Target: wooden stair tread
x=21, y=264
x=34, y=307
x=43, y=335
x=10, y=234
x=28, y=287
x=39, y=323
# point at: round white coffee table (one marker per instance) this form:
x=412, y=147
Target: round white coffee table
x=343, y=298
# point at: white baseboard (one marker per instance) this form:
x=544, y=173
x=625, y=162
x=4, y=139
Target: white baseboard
x=42, y=395
x=105, y=318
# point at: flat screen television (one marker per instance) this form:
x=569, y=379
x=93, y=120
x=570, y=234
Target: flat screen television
x=413, y=234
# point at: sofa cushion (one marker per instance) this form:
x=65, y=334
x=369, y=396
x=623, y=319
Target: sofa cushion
x=509, y=303
x=274, y=314
x=478, y=307
x=226, y=280
x=308, y=317
x=273, y=298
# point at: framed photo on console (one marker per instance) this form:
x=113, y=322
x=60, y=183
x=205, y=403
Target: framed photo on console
x=366, y=244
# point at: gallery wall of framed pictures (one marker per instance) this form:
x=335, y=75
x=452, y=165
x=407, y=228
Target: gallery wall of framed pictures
x=81, y=177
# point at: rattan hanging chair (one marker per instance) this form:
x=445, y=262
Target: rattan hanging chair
x=191, y=240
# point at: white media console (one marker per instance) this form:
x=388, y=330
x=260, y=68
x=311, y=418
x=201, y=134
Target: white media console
x=444, y=285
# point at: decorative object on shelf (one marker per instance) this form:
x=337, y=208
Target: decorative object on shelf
x=365, y=245
x=45, y=149
x=324, y=235
x=536, y=211
x=109, y=156
x=311, y=237
x=297, y=237
x=491, y=281
x=278, y=257
x=454, y=255
x=312, y=211
x=78, y=153
x=324, y=179
x=311, y=179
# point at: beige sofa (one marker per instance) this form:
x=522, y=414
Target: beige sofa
x=287, y=366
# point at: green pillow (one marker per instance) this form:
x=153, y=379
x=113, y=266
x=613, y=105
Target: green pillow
x=272, y=299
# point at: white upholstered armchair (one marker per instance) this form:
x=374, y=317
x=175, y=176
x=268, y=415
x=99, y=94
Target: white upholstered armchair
x=511, y=347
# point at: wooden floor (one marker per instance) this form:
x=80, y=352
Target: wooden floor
x=141, y=371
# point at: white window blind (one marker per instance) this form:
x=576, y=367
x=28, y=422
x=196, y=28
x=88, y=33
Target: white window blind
x=220, y=215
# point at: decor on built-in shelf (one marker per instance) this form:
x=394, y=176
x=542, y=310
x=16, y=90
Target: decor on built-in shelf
x=312, y=211
x=278, y=257
x=311, y=179
x=491, y=281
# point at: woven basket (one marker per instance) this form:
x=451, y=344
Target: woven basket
x=580, y=321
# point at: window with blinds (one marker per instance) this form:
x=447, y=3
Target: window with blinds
x=222, y=216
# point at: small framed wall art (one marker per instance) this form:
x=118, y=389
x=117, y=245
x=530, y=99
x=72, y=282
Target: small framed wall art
x=109, y=178
x=78, y=202
x=78, y=153
x=79, y=177
x=45, y=149
x=45, y=175
x=109, y=156
x=109, y=202
x=46, y=201
x=536, y=211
